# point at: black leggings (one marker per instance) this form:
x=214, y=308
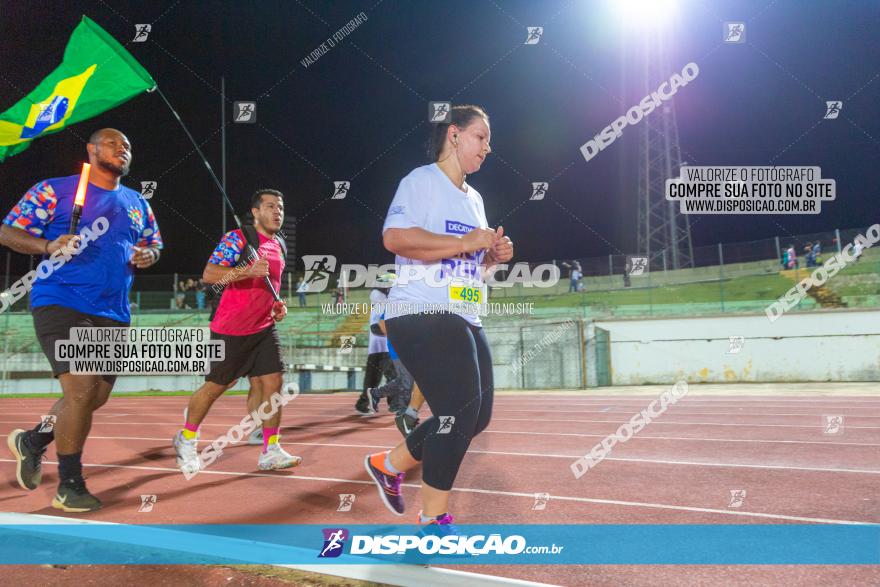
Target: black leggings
x=378, y=364
x=452, y=365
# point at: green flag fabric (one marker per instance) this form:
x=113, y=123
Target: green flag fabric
x=96, y=75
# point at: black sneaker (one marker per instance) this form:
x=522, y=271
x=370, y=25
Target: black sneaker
x=27, y=460
x=362, y=406
x=406, y=423
x=374, y=400
x=73, y=497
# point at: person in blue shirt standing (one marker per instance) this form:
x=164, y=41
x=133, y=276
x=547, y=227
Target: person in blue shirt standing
x=90, y=289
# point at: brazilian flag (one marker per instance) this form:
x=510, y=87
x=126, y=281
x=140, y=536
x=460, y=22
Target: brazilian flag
x=96, y=75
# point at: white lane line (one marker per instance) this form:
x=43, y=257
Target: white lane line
x=293, y=414
x=495, y=410
x=546, y=455
x=530, y=496
x=676, y=422
x=677, y=438
x=390, y=429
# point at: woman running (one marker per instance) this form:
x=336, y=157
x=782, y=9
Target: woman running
x=437, y=227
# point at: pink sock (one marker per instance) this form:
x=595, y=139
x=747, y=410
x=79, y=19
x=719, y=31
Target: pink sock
x=190, y=431
x=270, y=435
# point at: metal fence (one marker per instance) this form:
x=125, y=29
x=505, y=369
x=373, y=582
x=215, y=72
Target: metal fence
x=719, y=271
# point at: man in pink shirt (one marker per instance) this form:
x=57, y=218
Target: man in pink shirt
x=245, y=322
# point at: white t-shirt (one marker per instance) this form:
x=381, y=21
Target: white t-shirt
x=377, y=344
x=427, y=199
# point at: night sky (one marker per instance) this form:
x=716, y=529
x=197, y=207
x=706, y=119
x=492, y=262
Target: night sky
x=359, y=112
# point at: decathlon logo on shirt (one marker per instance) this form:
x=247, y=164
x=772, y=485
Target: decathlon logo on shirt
x=455, y=227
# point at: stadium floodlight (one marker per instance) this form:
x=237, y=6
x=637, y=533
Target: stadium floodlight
x=644, y=14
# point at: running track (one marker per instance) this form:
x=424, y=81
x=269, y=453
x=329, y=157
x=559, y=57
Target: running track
x=679, y=469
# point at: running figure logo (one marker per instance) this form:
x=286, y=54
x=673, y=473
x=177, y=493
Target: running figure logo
x=446, y=423
x=832, y=109
x=340, y=189
x=734, y=32
x=318, y=270
x=541, y=500
x=147, y=503
x=148, y=188
x=346, y=500
x=245, y=112
x=439, y=112
x=737, y=497
x=346, y=344
x=636, y=265
x=534, y=35
x=47, y=424
x=141, y=32
x=833, y=425
x=539, y=190
x=736, y=345
x=334, y=542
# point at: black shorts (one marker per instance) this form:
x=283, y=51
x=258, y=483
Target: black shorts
x=252, y=355
x=53, y=323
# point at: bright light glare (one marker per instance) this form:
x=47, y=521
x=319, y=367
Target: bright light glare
x=645, y=13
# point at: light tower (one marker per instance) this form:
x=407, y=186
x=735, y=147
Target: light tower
x=664, y=234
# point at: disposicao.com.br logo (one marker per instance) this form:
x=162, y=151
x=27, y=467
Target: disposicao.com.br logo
x=334, y=540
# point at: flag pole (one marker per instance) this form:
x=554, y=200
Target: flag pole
x=223, y=140
x=250, y=249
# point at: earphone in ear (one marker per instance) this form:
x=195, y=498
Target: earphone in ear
x=455, y=139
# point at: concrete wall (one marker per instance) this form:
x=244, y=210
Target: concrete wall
x=839, y=345
x=816, y=346
x=320, y=381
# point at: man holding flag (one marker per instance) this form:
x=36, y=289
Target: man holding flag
x=91, y=289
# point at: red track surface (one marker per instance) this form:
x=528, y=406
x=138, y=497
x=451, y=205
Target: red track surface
x=679, y=469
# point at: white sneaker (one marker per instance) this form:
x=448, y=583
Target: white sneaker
x=187, y=453
x=276, y=458
x=256, y=437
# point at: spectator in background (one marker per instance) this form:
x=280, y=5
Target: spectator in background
x=200, y=294
x=190, y=293
x=340, y=296
x=817, y=251
x=301, y=288
x=808, y=255
x=857, y=250
x=792, y=261
x=180, y=295
x=574, y=275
